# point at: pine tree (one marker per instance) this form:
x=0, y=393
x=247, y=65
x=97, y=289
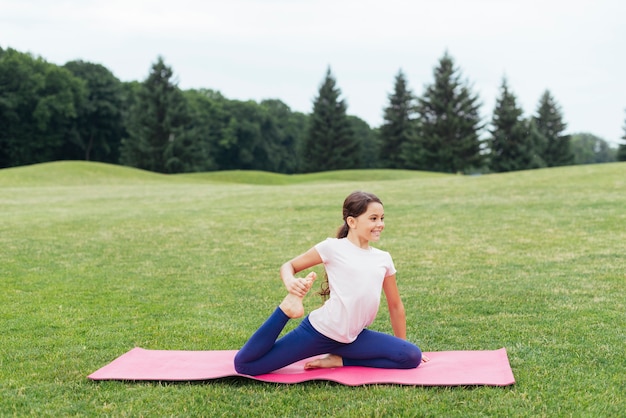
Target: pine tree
x=330, y=143
x=511, y=144
x=538, y=144
x=399, y=124
x=549, y=122
x=156, y=140
x=621, y=150
x=449, y=123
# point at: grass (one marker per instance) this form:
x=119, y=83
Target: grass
x=98, y=259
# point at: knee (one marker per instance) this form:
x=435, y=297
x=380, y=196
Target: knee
x=413, y=356
x=243, y=368
x=240, y=365
x=246, y=367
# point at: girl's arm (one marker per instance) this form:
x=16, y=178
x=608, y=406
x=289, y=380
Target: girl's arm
x=396, y=309
x=299, y=287
x=397, y=314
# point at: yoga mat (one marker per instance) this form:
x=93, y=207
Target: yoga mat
x=445, y=368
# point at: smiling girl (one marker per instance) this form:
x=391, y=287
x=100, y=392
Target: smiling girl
x=355, y=275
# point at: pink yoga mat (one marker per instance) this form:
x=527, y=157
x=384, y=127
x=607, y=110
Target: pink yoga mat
x=445, y=368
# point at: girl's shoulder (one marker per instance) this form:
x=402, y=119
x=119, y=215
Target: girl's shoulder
x=328, y=243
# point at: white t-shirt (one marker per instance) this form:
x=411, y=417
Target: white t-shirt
x=355, y=278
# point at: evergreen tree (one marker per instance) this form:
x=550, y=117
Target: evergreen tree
x=399, y=123
x=621, y=150
x=511, y=144
x=549, y=122
x=538, y=144
x=330, y=143
x=449, y=123
x=156, y=136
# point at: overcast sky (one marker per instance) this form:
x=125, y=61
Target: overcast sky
x=258, y=49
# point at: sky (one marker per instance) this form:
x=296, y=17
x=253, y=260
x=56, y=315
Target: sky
x=281, y=49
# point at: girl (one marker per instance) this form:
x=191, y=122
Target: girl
x=356, y=273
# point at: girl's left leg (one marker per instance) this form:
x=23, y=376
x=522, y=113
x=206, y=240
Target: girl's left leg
x=262, y=340
x=263, y=354
x=376, y=349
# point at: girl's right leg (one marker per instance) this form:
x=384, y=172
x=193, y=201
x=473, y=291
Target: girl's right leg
x=377, y=349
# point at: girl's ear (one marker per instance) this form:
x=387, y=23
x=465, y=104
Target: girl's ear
x=351, y=221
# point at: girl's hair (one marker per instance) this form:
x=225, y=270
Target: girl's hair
x=355, y=205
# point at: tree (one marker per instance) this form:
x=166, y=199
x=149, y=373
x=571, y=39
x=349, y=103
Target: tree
x=245, y=134
x=511, y=144
x=283, y=130
x=399, y=124
x=549, y=122
x=449, y=124
x=590, y=149
x=206, y=115
x=369, y=141
x=251, y=151
x=38, y=108
x=330, y=143
x=99, y=124
x=156, y=125
x=621, y=150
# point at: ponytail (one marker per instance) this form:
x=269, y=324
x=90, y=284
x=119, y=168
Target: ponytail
x=324, y=292
x=343, y=230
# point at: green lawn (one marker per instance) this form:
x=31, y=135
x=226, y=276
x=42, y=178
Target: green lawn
x=98, y=259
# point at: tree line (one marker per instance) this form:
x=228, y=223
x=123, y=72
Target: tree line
x=81, y=111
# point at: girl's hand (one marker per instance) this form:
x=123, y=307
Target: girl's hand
x=425, y=358
x=300, y=286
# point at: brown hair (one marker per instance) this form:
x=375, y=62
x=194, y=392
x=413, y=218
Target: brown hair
x=355, y=205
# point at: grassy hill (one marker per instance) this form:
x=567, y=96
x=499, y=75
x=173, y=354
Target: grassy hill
x=77, y=173
x=97, y=259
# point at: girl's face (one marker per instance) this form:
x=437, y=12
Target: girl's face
x=367, y=226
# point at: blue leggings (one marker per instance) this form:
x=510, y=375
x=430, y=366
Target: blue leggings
x=263, y=354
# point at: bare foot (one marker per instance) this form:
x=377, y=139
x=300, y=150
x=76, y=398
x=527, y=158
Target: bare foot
x=327, y=362
x=292, y=306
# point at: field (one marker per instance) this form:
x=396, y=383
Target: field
x=97, y=259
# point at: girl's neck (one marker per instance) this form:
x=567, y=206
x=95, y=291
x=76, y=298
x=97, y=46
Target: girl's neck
x=354, y=239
